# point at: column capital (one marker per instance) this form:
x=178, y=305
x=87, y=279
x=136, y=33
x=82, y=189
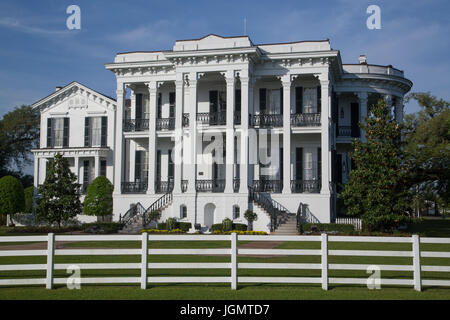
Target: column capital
x=388, y=99
x=152, y=86
x=362, y=95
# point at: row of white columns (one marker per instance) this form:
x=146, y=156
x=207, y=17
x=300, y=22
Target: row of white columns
x=189, y=82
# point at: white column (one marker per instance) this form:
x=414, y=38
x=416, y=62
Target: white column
x=230, y=133
x=362, y=101
x=192, y=173
x=153, y=106
x=388, y=100
x=246, y=102
x=132, y=149
x=177, y=151
x=118, y=149
x=399, y=110
x=325, y=137
x=36, y=175
x=286, y=82
x=77, y=167
x=97, y=166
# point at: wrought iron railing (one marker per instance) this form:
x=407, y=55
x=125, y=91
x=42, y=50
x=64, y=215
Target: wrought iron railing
x=160, y=203
x=267, y=120
x=237, y=118
x=184, y=185
x=344, y=131
x=210, y=185
x=275, y=209
x=185, y=119
x=212, y=118
x=134, y=187
x=131, y=125
x=305, y=186
x=274, y=186
x=135, y=210
x=164, y=186
x=236, y=184
x=165, y=124
x=305, y=119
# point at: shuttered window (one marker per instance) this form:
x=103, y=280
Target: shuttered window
x=319, y=99
x=262, y=100
x=104, y=132
x=172, y=105
x=298, y=99
x=299, y=163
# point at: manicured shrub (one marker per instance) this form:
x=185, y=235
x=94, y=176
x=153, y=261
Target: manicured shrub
x=28, y=193
x=241, y=232
x=102, y=227
x=155, y=215
x=239, y=226
x=98, y=201
x=184, y=226
x=250, y=216
x=171, y=223
x=320, y=227
x=162, y=231
x=12, y=198
x=162, y=226
x=227, y=224
x=43, y=229
x=217, y=227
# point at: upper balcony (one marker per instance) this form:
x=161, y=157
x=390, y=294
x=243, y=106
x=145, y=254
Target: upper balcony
x=305, y=119
x=136, y=125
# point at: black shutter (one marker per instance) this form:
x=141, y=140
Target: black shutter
x=298, y=100
x=87, y=132
x=49, y=133
x=319, y=99
x=299, y=164
x=137, y=165
x=281, y=165
x=66, y=132
x=262, y=100
x=159, y=110
x=237, y=101
x=104, y=131
x=139, y=106
x=171, y=104
x=335, y=111
x=281, y=101
x=319, y=163
x=213, y=101
x=339, y=168
x=158, y=165
x=103, y=168
x=354, y=119
x=170, y=168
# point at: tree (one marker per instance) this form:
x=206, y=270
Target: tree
x=98, y=201
x=378, y=189
x=427, y=141
x=250, y=216
x=59, y=195
x=29, y=193
x=11, y=195
x=19, y=133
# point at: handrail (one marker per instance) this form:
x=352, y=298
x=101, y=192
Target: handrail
x=272, y=207
x=134, y=210
x=158, y=204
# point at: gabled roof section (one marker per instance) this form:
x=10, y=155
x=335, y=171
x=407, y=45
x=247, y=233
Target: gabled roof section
x=67, y=90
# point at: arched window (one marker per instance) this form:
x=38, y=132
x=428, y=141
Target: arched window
x=183, y=211
x=236, y=212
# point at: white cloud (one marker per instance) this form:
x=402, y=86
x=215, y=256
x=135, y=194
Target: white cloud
x=17, y=25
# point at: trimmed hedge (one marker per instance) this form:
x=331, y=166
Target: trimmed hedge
x=177, y=231
x=183, y=226
x=42, y=229
x=101, y=227
x=319, y=227
x=235, y=226
x=241, y=232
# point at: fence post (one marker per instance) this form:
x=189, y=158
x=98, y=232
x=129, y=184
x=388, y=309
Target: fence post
x=50, y=255
x=416, y=262
x=324, y=260
x=144, y=260
x=234, y=238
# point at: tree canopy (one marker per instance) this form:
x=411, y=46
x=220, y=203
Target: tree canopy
x=12, y=198
x=98, y=200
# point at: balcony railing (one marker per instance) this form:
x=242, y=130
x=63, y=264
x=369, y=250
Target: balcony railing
x=305, y=119
x=236, y=184
x=348, y=131
x=185, y=119
x=212, y=118
x=237, y=118
x=165, y=124
x=184, y=185
x=133, y=125
x=274, y=186
x=267, y=120
x=164, y=186
x=210, y=185
x=134, y=187
x=305, y=186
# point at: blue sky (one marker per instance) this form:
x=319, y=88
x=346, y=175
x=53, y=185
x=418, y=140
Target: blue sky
x=38, y=52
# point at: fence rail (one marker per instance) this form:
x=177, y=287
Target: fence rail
x=233, y=252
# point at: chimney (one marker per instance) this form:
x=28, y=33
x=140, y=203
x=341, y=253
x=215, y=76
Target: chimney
x=362, y=59
x=58, y=88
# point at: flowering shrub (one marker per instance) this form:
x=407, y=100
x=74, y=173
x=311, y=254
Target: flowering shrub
x=241, y=232
x=162, y=231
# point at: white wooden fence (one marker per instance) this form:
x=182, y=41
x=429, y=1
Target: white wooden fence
x=145, y=277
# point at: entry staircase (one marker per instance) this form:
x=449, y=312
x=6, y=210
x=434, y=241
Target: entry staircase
x=136, y=218
x=282, y=221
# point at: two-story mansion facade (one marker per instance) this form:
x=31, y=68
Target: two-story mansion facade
x=219, y=125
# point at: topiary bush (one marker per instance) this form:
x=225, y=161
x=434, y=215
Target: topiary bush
x=28, y=193
x=98, y=201
x=239, y=227
x=155, y=215
x=12, y=198
x=227, y=224
x=171, y=223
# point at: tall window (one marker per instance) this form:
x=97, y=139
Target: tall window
x=57, y=132
x=95, y=131
x=172, y=105
x=183, y=211
x=270, y=101
x=310, y=166
x=236, y=212
x=310, y=100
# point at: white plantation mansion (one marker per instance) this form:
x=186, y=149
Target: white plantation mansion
x=219, y=125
